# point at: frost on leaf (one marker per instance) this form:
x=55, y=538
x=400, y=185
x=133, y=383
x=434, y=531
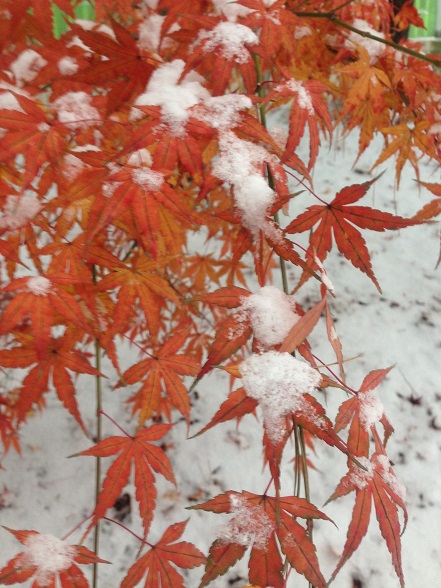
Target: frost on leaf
x=39, y=285
x=278, y=381
x=272, y=314
x=231, y=38
x=174, y=98
x=250, y=524
x=49, y=554
x=386, y=472
x=19, y=210
x=75, y=110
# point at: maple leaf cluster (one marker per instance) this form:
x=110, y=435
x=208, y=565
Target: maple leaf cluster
x=131, y=138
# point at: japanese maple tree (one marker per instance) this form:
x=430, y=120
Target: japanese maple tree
x=122, y=142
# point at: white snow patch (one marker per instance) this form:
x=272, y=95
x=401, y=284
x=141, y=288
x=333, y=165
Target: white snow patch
x=27, y=66
x=238, y=164
x=231, y=38
x=7, y=100
x=303, y=96
x=67, y=66
x=250, y=525
x=49, y=554
x=150, y=32
x=39, y=285
x=18, y=210
x=148, y=179
x=389, y=477
x=174, y=98
x=222, y=112
x=371, y=409
x=360, y=478
x=140, y=157
x=278, y=382
x=230, y=9
x=374, y=48
x=272, y=314
x=75, y=110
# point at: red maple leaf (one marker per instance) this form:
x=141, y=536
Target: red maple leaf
x=156, y=563
x=145, y=456
x=374, y=480
x=46, y=558
x=337, y=219
x=263, y=523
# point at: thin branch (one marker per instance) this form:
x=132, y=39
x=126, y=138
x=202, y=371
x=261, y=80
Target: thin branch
x=331, y=16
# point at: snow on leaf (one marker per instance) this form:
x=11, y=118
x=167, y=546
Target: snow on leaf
x=278, y=381
x=44, y=558
x=272, y=314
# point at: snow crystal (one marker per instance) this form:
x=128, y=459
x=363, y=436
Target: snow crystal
x=278, y=381
x=371, y=408
x=271, y=313
x=358, y=477
x=230, y=9
x=27, y=65
x=249, y=525
x=18, y=210
x=222, y=112
x=49, y=554
x=39, y=285
x=148, y=179
x=374, y=48
x=67, y=66
x=232, y=38
x=75, y=109
x=237, y=164
x=389, y=477
x=174, y=98
x=150, y=32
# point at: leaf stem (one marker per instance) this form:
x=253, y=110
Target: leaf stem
x=98, y=393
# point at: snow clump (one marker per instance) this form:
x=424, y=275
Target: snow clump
x=232, y=39
x=174, y=98
x=238, y=164
x=371, y=409
x=27, y=66
x=360, y=477
x=39, y=285
x=148, y=179
x=250, y=525
x=278, y=381
x=374, y=48
x=75, y=110
x=272, y=314
x=49, y=554
x=19, y=210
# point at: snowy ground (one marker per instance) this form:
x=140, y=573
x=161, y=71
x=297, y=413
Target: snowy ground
x=51, y=494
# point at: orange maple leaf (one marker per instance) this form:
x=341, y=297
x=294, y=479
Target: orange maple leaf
x=161, y=373
x=374, y=480
x=45, y=558
x=145, y=456
x=156, y=563
x=338, y=219
x=59, y=357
